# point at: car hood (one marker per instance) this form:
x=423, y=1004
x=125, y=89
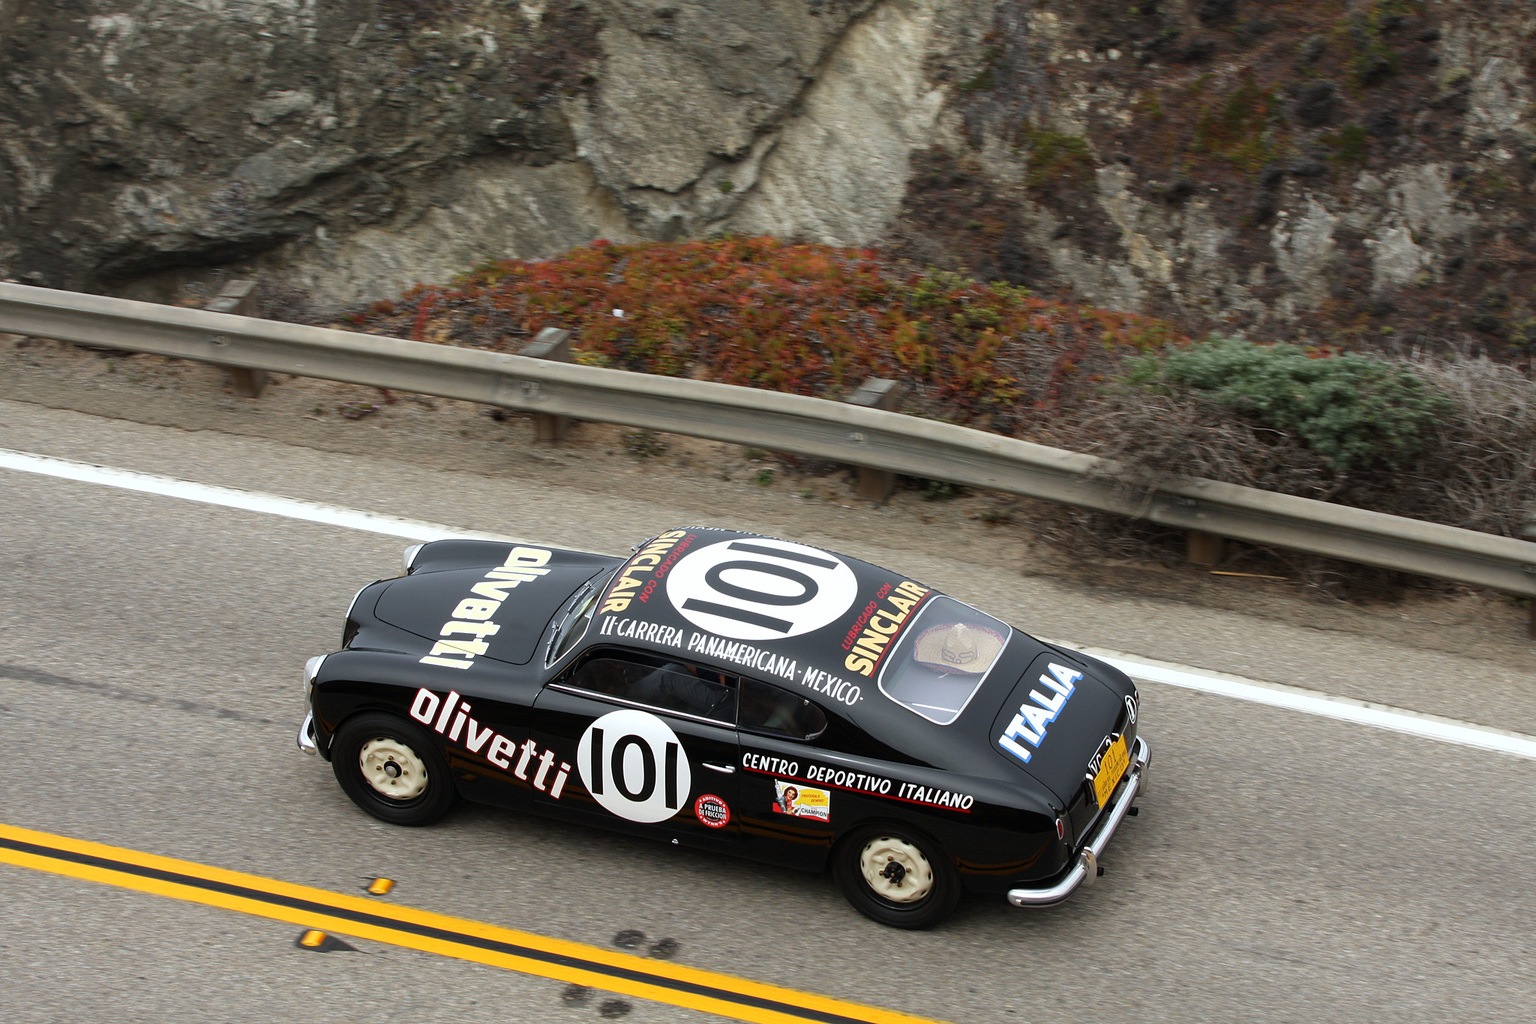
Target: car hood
x=1055, y=720
x=508, y=616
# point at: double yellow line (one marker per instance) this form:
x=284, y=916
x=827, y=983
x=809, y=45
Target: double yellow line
x=677, y=985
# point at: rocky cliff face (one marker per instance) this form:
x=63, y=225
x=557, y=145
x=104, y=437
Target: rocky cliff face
x=1334, y=169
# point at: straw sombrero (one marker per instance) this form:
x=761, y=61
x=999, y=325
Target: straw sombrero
x=958, y=648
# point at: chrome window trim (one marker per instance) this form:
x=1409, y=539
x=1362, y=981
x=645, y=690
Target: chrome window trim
x=784, y=737
x=826, y=720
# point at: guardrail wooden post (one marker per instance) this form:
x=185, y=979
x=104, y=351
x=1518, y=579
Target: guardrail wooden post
x=876, y=485
x=1530, y=602
x=1204, y=548
x=239, y=298
x=553, y=344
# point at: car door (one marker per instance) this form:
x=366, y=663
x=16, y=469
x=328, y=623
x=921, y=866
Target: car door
x=652, y=741
x=787, y=821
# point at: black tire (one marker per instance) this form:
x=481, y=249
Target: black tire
x=392, y=769
x=922, y=888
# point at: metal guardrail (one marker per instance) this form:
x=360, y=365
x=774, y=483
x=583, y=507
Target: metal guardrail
x=789, y=423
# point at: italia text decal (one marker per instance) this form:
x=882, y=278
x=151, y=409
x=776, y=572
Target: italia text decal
x=471, y=622
x=1039, y=711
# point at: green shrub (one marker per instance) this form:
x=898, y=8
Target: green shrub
x=1350, y=144
x=1246, y=127
x=1058, y=159
x=1354, y=410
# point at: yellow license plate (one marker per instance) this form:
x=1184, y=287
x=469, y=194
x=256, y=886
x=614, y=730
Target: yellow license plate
x=1112, y=768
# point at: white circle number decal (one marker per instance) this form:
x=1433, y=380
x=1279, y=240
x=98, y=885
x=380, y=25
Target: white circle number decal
x=634, y=766
x=760, y=589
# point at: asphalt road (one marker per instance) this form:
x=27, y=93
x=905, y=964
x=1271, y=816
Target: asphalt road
x=1284, y=867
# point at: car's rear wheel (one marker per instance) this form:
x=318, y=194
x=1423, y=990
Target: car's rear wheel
x=896, y=875
x=392, y=769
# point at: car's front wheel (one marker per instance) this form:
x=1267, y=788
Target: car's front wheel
x=392, y=769
x=896, y=875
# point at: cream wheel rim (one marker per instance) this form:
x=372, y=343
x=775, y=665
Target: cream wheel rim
x=392, y=769
x=896, y=870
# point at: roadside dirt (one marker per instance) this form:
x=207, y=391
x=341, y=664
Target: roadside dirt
x=787, y=495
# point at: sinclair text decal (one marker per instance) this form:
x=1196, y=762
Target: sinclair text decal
x=878, y=624
x=641, y=575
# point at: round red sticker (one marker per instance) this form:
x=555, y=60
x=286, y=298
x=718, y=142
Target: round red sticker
x=712, y=811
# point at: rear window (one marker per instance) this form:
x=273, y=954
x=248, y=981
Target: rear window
x=942, y=658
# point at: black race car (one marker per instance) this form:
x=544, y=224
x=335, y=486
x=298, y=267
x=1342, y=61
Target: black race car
x=735, y=693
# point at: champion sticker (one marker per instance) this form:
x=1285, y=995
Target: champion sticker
x=634, y=766
x=802, y=801
x=712, y=811
x=755, y=589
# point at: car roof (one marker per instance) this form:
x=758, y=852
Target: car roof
x=833, y=628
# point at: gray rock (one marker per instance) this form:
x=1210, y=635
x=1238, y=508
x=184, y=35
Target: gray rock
x=353, y=148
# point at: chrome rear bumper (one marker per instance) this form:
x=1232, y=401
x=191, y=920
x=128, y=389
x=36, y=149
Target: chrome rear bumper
x=1087, y=867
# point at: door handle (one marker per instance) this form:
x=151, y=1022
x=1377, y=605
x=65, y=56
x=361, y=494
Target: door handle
x=725, y=769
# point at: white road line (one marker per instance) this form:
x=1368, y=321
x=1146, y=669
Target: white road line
x=1292, y=698
x=231, y=497
x=1312, y=702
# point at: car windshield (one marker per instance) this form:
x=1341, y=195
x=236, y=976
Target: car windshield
x=574, y=624
x=942, y=659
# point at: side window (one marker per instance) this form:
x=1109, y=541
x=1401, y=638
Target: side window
x=665, y=685
x=768, y=709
